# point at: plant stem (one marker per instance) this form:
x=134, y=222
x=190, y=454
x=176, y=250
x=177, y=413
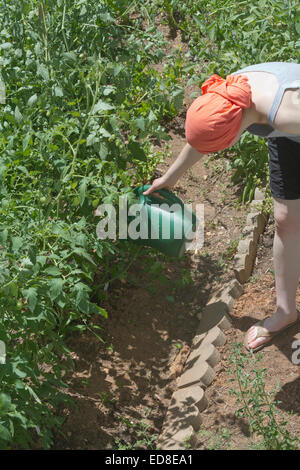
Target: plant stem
x=66, y=177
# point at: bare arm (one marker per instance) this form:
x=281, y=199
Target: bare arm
x=187, y=158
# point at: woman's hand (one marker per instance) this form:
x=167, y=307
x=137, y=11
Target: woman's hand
x=159, y=183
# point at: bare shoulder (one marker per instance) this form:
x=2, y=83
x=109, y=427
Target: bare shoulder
x=264, y=86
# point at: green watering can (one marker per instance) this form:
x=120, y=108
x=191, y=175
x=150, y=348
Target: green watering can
x=160, y=225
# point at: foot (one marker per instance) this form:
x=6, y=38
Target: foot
x=272, y=324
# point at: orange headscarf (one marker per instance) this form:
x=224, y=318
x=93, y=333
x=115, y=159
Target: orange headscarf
x=213, y=120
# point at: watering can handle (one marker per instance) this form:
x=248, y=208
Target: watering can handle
x=166, y=194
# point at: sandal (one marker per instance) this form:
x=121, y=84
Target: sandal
x=263, y=332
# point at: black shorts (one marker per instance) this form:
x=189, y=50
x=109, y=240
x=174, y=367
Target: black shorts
x=284, y=166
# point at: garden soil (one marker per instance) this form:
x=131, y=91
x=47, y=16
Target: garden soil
x=122, y=387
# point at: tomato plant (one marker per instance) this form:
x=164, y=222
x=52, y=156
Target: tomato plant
x=83, y=106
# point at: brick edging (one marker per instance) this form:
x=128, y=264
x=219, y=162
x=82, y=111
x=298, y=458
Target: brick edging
x=183, y=417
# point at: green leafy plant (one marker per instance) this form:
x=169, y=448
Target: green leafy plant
x=232, y=248
x=215, y=441
x=142, y=435
x=256, y=403
x=84, y=105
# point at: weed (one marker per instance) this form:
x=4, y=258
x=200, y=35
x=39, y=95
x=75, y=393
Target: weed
x=257, y=405
x=221, y=263
x=202, y=192
x=106, y=398
x=144, y=439
x=215, y=440
x=232, y=248
x=187, y=442
x=254, y=278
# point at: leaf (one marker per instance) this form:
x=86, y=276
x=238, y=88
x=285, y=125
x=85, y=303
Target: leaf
x=137, y=151
x=104, y=132
x=117, y=69
x=58, y=91
x=5, y=403
x=70, y=56
x=4, y=433
x=43, y=71
x=53, y=271
x=31, y=296
x=82, y=191
x=102, y=106
x=103, y=151
x=140, y=123
x=99, y=310
x=108, y=90
x=38, y=49
x=82, y=297
x=26, y=141
x=33, y=394
x=91, y=139
x=177, y=98
x=17, y=371
x=106, y=17
x=41, y=260
x=114, y=122
x=23, y=169
x=198, y=21
x=56, y=286
x=13, y=287
x=18, y=115
x=245, y=192
x=82, y=252
x=6, y=45
x=81, y=240
x=32, y=100
x=80, y=286
x=151, y=116
x=17, y=242
x=3, y=236
x=81, y=224
x=32, y=253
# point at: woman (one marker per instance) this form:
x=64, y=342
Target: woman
x=265, y=100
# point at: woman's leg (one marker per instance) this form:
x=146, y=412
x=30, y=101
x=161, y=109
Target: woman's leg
x=286, y=252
